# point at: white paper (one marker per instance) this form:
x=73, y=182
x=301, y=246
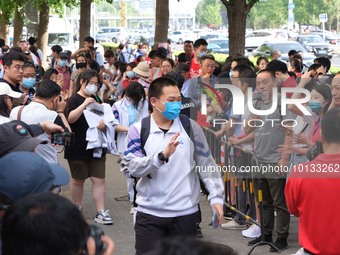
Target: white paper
x=93, y=119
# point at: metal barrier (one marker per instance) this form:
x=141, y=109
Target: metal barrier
x=220, y=149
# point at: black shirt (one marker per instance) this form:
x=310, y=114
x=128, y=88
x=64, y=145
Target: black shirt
x=78, y=150
x=13, y=87
x=188, y=108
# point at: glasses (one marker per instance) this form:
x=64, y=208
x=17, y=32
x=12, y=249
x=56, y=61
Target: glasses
x=208, y=66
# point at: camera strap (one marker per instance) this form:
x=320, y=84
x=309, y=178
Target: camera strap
x=19, y=112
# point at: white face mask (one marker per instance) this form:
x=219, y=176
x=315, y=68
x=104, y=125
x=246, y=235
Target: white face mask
x=145, y=51
x=90, y=89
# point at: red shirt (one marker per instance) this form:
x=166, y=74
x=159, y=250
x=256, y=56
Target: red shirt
x=315, y=133
x=195, y=69
x=316, y=202
x=289, y=83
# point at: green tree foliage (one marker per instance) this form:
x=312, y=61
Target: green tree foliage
x=209, y=12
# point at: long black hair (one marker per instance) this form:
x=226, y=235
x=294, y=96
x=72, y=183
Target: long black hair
x=325, y=91
x=86, y=76
x=136, y=92
x=4, y=111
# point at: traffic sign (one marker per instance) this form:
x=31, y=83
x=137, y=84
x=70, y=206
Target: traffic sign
x=323, y=17
x=291, y=6
x=291, y=17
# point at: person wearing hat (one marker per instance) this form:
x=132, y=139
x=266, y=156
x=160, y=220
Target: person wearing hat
x=6, y=101
x=184, y=70
x=29, y=175
x=63, y=69
x=143, y=72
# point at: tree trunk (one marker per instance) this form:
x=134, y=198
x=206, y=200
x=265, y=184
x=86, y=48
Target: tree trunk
x=162, y=22
x=4, y=30
x=43, y=31
x=18, y=25
x=85, y=21
x=237, y=16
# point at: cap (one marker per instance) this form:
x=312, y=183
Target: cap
x=142, y=69
x=5, y=89
x=182, y=67
x=33, y=129
x=15, y=136
x=62, y=55
x=24, y=173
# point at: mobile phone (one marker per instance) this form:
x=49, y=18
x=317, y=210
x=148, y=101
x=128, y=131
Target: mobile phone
x=261, y=95
x=60, y=76
x=96, y=232
x=215, y=220
x=65, y=138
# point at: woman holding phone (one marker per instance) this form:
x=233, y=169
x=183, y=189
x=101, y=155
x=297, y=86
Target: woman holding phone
x=82, y=162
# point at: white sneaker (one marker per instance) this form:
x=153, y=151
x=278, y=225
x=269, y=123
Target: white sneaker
x=103, y=217
x=300, y=252
x=253, y=232
x=233, y=225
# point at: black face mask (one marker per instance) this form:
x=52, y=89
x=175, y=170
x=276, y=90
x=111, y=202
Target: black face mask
x=80, y=65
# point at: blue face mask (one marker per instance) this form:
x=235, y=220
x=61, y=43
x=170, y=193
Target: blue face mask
x=279, y=58
x=230, y=73
x=315, y=106
x=63, y=63
x=130, y=74
x=202, y=54
x=119, y=73
x=28, y=82
x=172, y=110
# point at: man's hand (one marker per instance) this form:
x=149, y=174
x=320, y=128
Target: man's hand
x=171, y=147
x=219, y=209
x=234, y=140
x=110, y=246
x=49, y=127
x=61, y=104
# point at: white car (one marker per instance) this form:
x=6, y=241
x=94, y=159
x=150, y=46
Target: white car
x=116, y=34
x=258, y=37
x=181, y=36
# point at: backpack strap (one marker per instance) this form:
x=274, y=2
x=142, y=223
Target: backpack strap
x=19, y=112
x=185, y=120
x=145, y=132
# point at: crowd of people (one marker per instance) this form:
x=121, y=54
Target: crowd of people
x=146, y=106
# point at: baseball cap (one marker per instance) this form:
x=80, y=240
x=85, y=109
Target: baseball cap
x=5, y=89
x=62, y=55
x=182, y=67
x=18, y=136
x=23, y=173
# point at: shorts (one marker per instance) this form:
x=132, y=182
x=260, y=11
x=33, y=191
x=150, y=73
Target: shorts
x=83, y=169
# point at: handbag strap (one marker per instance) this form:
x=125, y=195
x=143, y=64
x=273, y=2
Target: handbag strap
x=19, y=112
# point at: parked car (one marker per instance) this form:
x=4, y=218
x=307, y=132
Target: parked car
x=102, y=38
x=117, y=34
x=258, y=37
x=181, y=36
x=219, y=46
x=266, y=50
x=329, y=36
x=316, y=45
x=209, y=36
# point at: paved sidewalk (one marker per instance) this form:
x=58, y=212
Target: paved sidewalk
x=122, y=229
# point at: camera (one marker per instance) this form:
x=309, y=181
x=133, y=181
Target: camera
x=96, y=233
x=66, y=138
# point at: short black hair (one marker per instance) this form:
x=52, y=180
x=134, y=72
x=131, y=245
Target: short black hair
x=156, y=53
x=86, y=76
x=8, y=58
x=207, y=56
x=314, y=67
x=271, y=72
x=292, y=53
x=200, y=42
x=44, y=223
x=246, y=75
x=258, y=61
x=182, y=57
x=169, y=41
x=2, y=42
x=89, y=39
x=325, y=62
x=188, y=41
x=177, y=77
x=47, y=75
x=47, y=89
x=277, y=66
x=172, y=63
x=29, y=64
x=241, y=60
x=330, y=126
x=57, y=48
x=121, y=46
x=31, y=40
x=156, y=88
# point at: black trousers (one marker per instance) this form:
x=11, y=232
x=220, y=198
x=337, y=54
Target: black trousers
x=150, y=230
